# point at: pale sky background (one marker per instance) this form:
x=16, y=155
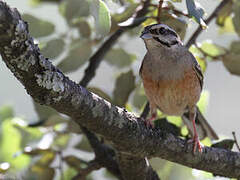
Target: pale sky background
x=223, y=109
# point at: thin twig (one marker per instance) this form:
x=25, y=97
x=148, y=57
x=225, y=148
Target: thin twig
x=205, y=54
x=236, y=142
x=159, y=11
x=175, y=11
x=194, y=36
x=96, y=59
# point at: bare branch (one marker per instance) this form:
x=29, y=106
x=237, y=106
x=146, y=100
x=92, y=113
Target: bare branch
x=235, y=139
x=104, y=154
x=127, y=164
x=129, y=135
x=160, y=3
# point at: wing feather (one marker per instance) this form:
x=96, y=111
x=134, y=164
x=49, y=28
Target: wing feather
x=197, y=70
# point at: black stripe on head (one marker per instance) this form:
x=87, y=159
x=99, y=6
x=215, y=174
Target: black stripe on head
x=162, y=42
x=161, y=31
x=172, y=33
x=154, y=31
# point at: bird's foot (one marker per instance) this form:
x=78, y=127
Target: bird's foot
x=149, y=123
x=196, y=144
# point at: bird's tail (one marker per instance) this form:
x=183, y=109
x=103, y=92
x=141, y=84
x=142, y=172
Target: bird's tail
x=203, y=127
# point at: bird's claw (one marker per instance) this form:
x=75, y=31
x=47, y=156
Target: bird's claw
x=149, y=123
x=196, y=144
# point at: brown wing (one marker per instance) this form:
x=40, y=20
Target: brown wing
x=197, y=70
x=140, y=70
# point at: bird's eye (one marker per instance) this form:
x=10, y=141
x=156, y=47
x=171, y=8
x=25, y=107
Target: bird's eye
x=162, y=30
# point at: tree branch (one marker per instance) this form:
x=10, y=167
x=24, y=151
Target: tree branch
x=104, y=154
x=160, y=3
x=129, y=135
x=142, y=171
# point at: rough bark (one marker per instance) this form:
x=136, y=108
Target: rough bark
x=128, y=134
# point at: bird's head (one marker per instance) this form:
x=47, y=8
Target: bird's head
x=160, y=35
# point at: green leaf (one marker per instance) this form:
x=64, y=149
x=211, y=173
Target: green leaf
x=61, y=141
x=53, y=48
x=102, y=17
x=196, y=11
x=74, y=162
x=38, y=27
x=84, y=145
x=28, y=134
x=41, y=172
x=224, y=13
x=83, y=28
x=69, y=173
x=176, y=1
x=228, y=26
x=74, y=9
x=120, y=58
x=77, y=56
x=236, y=17
x=195, y=51
x=46, y=159
x=232, y=63
x=73, y=127
x=212, y=49
x=231, y=60
x=10, y=146
x=6, y=112
x=48, y=116
x=202, y=63
x=225, y=144
x=176, y=120
x=124, y=85
x=44, y=112
x=139, y=97
x=126, y=13
x=203, y=101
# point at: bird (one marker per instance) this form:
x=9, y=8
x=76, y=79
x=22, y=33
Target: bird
x=172, y=78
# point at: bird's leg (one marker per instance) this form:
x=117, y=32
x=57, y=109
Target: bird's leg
x=149, y=121
x=196, y=142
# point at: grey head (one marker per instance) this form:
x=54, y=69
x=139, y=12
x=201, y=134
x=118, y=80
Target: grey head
x=160, y=35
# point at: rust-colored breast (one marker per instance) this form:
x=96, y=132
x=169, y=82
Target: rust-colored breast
x=172, y=96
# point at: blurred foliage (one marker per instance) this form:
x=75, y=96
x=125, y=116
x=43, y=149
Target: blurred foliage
x=41, y=150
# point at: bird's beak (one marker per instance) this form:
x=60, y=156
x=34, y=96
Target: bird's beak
x=145, y=34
